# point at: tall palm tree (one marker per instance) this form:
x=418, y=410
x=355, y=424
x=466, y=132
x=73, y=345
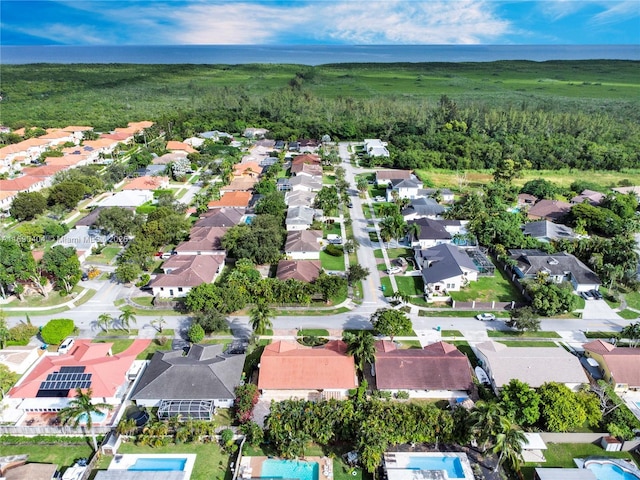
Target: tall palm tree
x=80, y=409
x=485, y=421
x=509, y=443
x=260, y=316
x=361, y=346
x=127, y=317
x=104, y=320
x=159, y=323
x=413, y=231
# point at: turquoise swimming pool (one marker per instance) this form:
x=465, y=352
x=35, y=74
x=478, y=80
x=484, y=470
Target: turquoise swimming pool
x=451, y=465
x=604, y=470
x=290, y=469
x=158, y=464
x=96, y=418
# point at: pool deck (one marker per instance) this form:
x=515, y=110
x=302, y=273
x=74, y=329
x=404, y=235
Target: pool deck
x=123, y=462
x=396, y=465
x=251, y=467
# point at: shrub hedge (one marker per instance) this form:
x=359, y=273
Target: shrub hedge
x=56, y=330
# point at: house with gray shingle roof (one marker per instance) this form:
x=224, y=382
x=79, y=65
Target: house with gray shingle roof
x=183, y=272
x=303, y=245
x=301, y=218
x=309, y=183
x=221, y=217
x=404, y=188
x=423, y=207
x=445, y=267
x=299, y=198
x=560, y=267
x=546, y=231
x=203, y=379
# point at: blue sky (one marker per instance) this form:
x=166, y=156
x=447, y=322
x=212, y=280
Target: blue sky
x=325, y=22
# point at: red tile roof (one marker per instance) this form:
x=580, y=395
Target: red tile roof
x=308, y=158
x=146, y=183
x=173, y=145
x=232, y=199
x=288, y=365
x=43, y=171
x=107, y=372
x=19, y=184
x=439, y=366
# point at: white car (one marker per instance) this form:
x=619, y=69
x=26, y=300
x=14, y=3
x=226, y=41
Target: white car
x=66, y=345
x=486, y=317
x=394, y=270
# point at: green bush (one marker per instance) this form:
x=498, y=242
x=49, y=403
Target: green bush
x=334, y=250
x=196, y=333
x=22, y=333
x=402, y=395
x=56, y=330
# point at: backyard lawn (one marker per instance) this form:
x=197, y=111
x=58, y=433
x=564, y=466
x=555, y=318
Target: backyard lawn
x=633, y=299
x=487, y=289
x=63, y=455
x=332, y=228
x=329, y=262
x=561, y=455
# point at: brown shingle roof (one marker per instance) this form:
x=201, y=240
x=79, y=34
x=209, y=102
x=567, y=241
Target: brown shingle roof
x=440, y=366
x=393, y=174
x=309, y=169
x=303, y=270
x=623, y=362
x=190, y=271
x=308, y=158
x=549, y=209
x=240, y=184
x=291, y=366
x=303, y=241
x=203, y=239
x=221, y=217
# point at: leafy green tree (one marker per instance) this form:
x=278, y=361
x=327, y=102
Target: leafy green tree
x=327, y=199
x=117, y=221
x=272, y=204
x=127, y=272
x=485, y=421
x=549, y=299
x=67, y=194
x=520, y=402
x=507, y=169
x=195, y=333
x=632, y=333
x=211, y=320
x=79, y=411
x=260, y=317
x=63, y=264
x=27, y=205
x=509, y=443
x=105, y=320
x=15, y=264
x=259, y=242
x=390, y=322
x=127, y=317
x=4, y=329
x=329, y=286
x=362, y=184
x=560, y=411
x=356, y=273
x=7, y=379
x=523, y=319
x=361, y=346
x=540, y=188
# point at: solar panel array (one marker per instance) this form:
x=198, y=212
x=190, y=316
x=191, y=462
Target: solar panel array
x=71, y=370
x=66, y=381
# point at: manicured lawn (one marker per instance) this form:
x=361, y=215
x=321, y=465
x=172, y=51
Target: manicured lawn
x=633, y=299
x=497, y=288
x=53, y=299
x=211, y=462
x=397, y=252
x=580, y=304
x=629, y=314
x=312, y=312
x=106, y=256
x=511, y=333
x=153, y=347
x=386, y=285
x=313, y=332
x=62, y=455
x=140, y=312
x=410, y=343
x=561, y=455
x=451, y=333
x=465, y=348
x=328, y=179
x=118, y=332
x=458, y=313
x=527, y=343
x=119, y=345
x=333, y=228
x=329, y=262
x=143, y=301
x=410, y=285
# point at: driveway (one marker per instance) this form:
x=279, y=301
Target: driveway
x=598, y=310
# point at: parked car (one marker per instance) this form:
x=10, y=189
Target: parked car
x=66, y=345
x=165, y=255
x=84, y=277
x=597, y=294
x=486, y=317
x=394, y=270
x=587, y=295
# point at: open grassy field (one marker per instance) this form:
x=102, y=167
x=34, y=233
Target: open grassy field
x=105, y=95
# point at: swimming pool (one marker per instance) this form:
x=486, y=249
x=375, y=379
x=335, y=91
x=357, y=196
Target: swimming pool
x=96, y=417
x=158, y=464
x=606, y=470
x=451, y=465
x=272, y=468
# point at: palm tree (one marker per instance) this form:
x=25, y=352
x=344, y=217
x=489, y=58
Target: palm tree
x=127, y=317
x=632, y=332
x=159, y=324
x=80, y=409
x=509, y=443
x=413, y=231
x=260, y=316
x=485, y=421
x=361, y=346
x=104, y=320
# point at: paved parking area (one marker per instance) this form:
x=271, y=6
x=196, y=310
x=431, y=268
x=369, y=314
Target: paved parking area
x=598, y=310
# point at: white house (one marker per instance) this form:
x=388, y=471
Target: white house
x=445, y=267
x=303, y=245
x=409, y=188
x=183, y=272
x=376, y=147
x=300, y=218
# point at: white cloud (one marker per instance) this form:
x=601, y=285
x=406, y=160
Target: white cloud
x=617, y=11
x=331, y=21
x=64, y=34
x=558, y=9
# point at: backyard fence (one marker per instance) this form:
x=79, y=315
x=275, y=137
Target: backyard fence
x=555, y=437
x=28, y=431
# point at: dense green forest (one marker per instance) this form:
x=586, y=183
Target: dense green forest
x=576, y=114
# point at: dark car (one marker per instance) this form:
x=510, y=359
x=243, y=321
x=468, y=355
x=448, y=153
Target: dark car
x=84, y=277
x=587, y=295
x=597, y=294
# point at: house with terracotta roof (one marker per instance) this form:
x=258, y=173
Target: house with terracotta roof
x=147, y=183
x=103, y=146
x=68, y=161
x=203, y=241
x=180, y=147
x=240, y=184
x=22, y=152
x=77, y=131
x=26, y=183
x=190, y=386
x=221, y=217
x=303, y=245
x=6, y=198
x=125, y=137
x=247, y=169
x=559, y=267
x=168, y=158
x=184, y=272
x=620, y=366
x=51, y=383
x=57, y=137
x=141, y=125
x=232, y=199
x=552, y=210
x=290, y=370
x=303, y=270
x=305, y=159
x=438, y=370
x=530, y=365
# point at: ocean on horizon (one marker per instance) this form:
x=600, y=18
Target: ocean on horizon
x=309, y=54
